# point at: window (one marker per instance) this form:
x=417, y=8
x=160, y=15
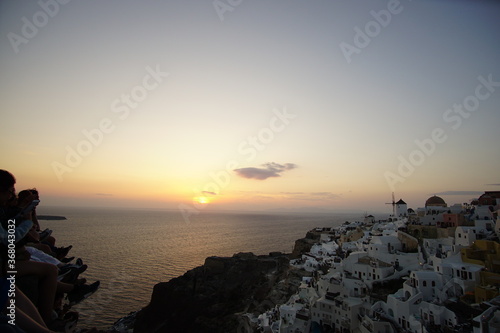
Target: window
x=470, y=275
x=433, y=283
x=425, y=283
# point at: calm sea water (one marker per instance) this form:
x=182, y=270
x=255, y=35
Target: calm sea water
x=130, y=251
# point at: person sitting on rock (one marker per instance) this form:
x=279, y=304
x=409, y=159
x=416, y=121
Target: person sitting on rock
x=45, y=241
x=46, y=273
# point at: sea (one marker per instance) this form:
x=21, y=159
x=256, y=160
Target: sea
x=130, y=251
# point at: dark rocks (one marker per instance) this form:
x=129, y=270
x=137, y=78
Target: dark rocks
x=304, y=245
x=213, y=297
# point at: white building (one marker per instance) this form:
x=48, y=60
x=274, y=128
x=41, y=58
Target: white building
x=401, y=208
x=426, y=283
x=436, y=316
x=488, y=321
x=370, y=269
x=343, y=313
x=294, y=317
x=458, y=277
x=465, y=236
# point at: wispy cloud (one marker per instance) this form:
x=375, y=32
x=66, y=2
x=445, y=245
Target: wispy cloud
x=209, y=193
x=104, y=194
x=312, y=196
x=459, y=193
x=269, y=170
x=492, y=184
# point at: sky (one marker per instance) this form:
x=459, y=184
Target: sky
x=317, y=106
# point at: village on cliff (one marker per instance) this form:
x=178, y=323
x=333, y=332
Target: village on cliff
x=436, y=269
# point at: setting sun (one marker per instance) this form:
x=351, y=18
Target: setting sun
x=202, y=200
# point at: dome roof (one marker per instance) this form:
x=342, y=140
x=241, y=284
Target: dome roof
x=435, y=201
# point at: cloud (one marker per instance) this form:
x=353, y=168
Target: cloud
x=312, y=196
x=270, y=170
x=208, y=192
x=324, y=196
x=322, y=193
x=492, y=184
x=459, y=193
x=104, y=194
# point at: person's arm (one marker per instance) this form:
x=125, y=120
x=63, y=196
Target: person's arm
x=34, y=218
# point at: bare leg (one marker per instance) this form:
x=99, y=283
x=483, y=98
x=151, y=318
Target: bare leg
x=29, y=324
x=24, y=303
x=47, y=284
x=65, y=288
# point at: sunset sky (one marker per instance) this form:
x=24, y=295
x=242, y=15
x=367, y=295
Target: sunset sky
x=251, y=105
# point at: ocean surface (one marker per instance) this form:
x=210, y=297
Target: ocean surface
x=130, y=251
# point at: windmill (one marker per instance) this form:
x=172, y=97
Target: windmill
x=393, y=203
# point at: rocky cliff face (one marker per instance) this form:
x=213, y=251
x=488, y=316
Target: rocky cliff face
x=214, y=297
x=304, y=245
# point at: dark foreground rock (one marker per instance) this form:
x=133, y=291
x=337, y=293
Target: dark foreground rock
x=214, y=297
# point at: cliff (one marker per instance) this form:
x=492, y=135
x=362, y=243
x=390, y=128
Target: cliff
x=303, y=245
x=215, y=297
